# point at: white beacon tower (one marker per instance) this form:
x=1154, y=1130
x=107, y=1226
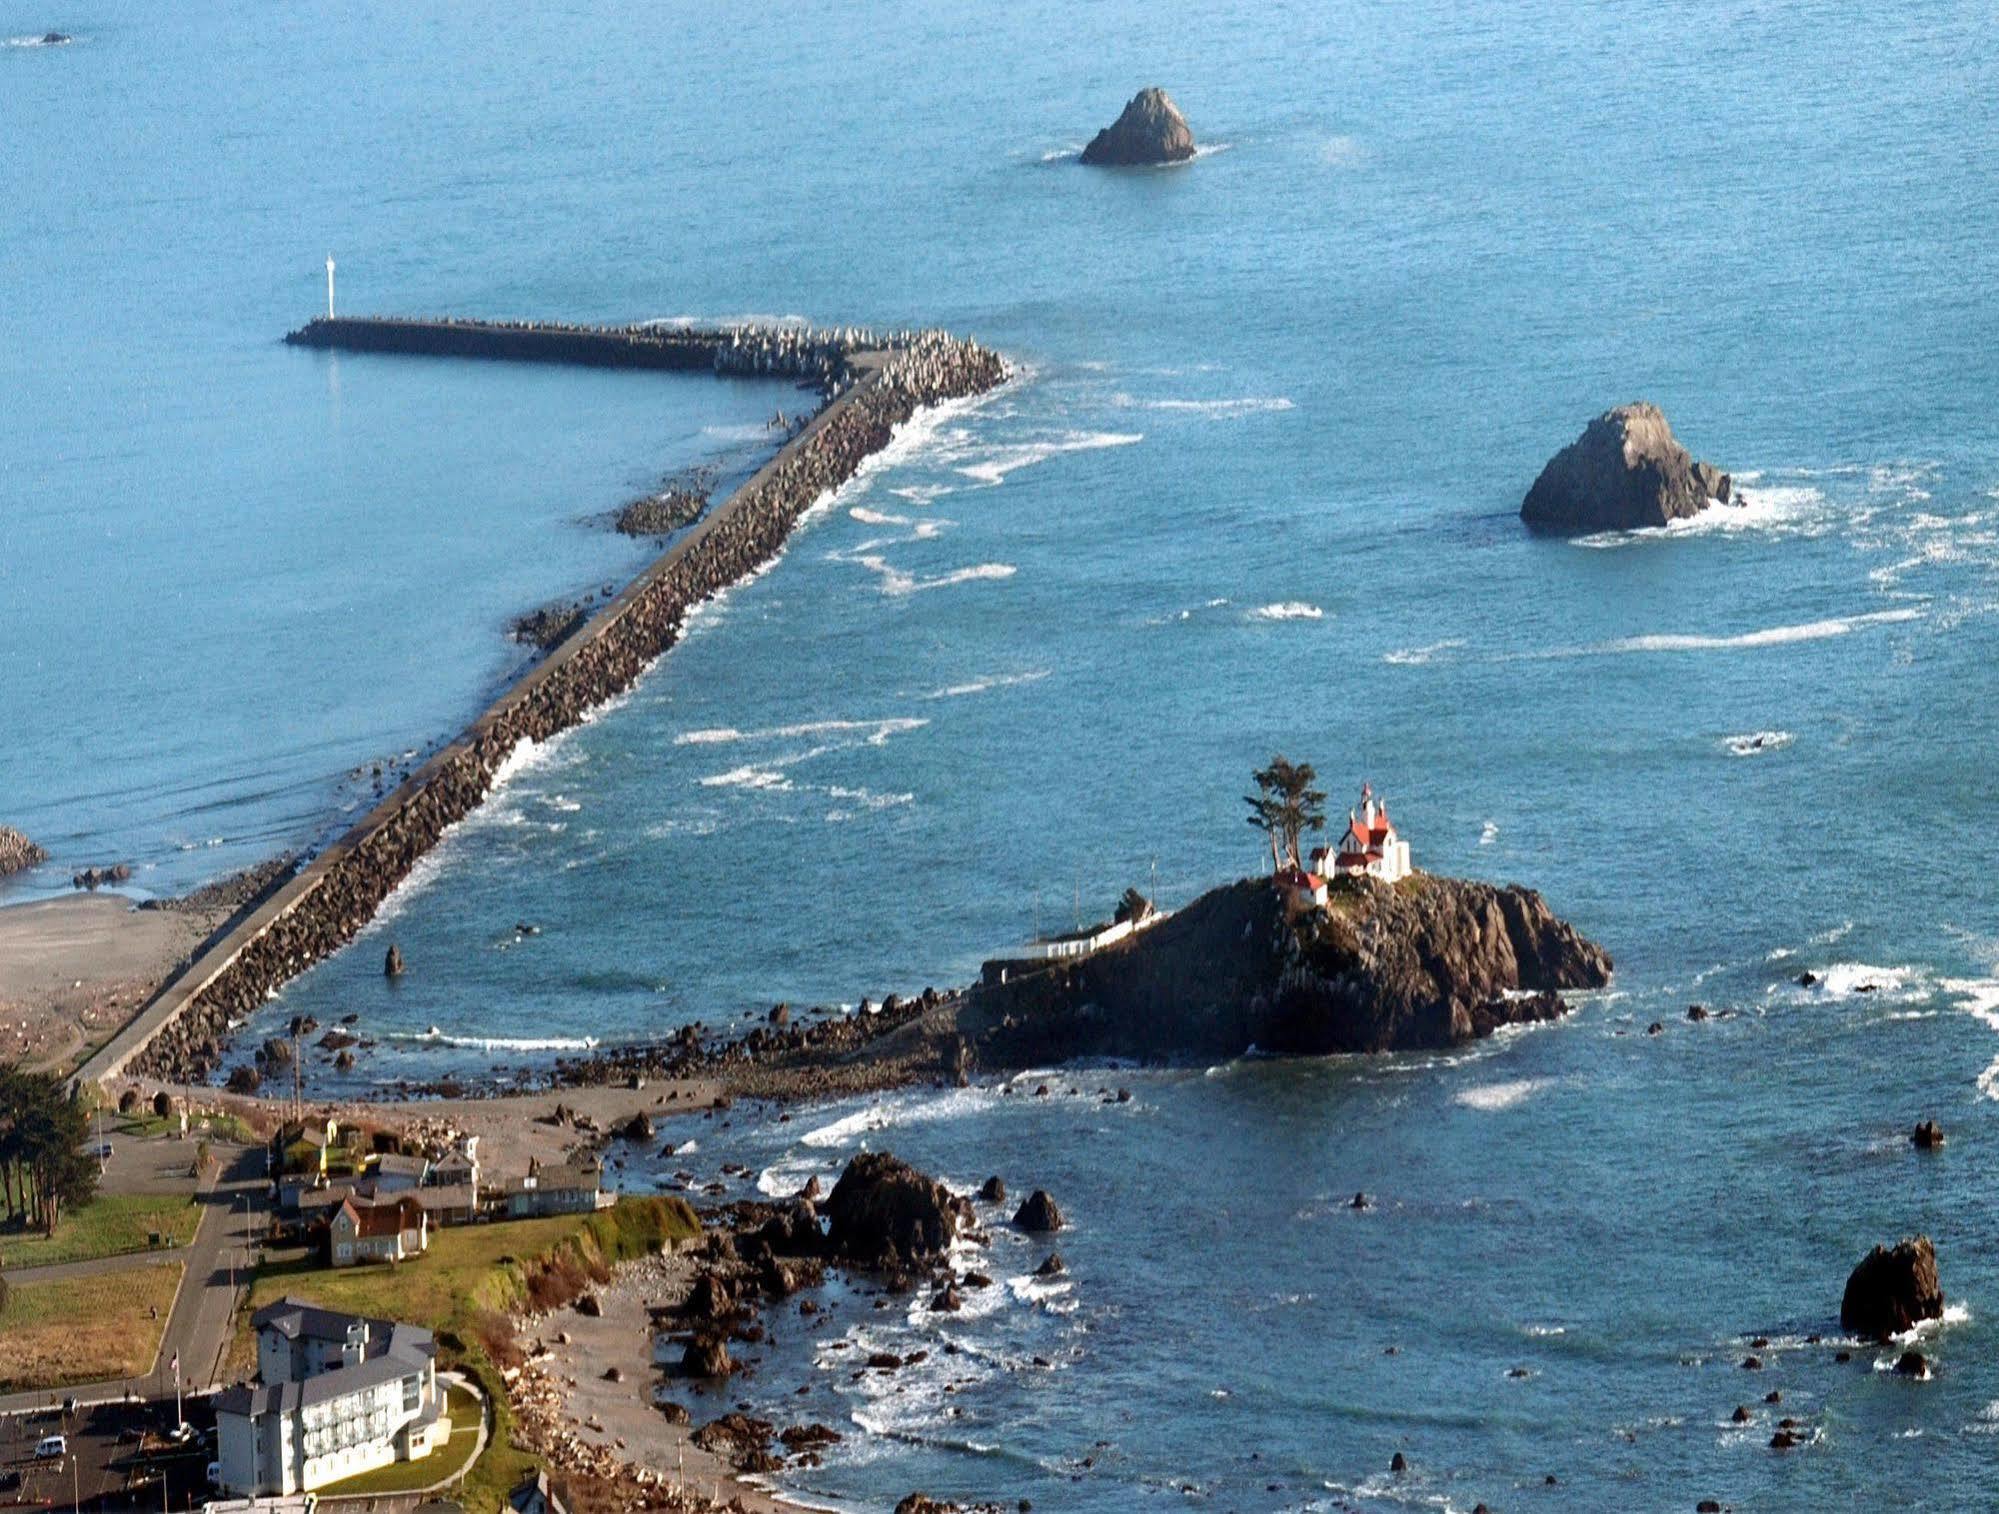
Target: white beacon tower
x=329, y=286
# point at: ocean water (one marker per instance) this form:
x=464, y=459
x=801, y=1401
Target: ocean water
x=1254, y=489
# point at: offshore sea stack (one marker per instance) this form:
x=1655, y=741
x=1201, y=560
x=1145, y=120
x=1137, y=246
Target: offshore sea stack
x=1428, y=963
x=1624, y=473
x=18, y=853
x=1893, y=1290
x=1149, y=131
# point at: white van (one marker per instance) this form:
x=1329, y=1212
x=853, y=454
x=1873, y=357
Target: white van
x=51, y=1445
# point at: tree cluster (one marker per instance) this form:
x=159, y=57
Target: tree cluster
x=1285, y=806
x=44, y=1167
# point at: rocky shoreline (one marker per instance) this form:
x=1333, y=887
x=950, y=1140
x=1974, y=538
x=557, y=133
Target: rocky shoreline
x=873, y=391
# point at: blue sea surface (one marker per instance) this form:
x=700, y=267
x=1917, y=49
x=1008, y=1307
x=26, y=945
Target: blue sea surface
x=1253, y=489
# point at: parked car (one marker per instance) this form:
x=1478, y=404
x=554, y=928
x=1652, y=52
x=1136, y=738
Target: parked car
x=51, y=1445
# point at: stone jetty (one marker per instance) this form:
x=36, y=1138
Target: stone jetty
x=872, y=382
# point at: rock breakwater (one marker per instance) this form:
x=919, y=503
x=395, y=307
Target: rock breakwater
x=874, y=390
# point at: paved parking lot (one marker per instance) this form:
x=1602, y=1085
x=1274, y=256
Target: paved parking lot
x=118, y=1458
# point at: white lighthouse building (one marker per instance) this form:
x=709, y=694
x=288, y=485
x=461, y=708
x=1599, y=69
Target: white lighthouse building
x=1370, y=846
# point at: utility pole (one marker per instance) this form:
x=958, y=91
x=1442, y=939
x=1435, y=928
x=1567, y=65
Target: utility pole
x=329, y=286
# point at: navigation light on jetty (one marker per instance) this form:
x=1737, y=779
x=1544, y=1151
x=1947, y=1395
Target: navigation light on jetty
x=329, y=286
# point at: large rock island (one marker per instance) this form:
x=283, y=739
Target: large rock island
x=1427, y=962
x=1624, y=472
x=1149, y=131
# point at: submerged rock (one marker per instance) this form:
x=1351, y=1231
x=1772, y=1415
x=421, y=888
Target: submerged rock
x=1892, y=1291
x=392, y=964
x=1927, y=1136
x=1148, y=131
x=1626, y=471
x=18, y=853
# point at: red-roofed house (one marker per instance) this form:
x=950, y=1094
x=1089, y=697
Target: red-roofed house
x=386, y=1231
x=1301, y=890
x=1370, y=846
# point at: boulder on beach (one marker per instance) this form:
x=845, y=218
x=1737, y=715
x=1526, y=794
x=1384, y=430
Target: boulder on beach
x=883, y=1209
x=707, y=1356
x=1150, y=130
x=1625, y=472
x=18, y=853
x=1893, y=1290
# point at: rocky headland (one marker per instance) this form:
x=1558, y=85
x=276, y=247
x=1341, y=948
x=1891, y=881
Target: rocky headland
x=18, y=853
x=1149, y=131
x=1625, y=472
x=1426, y=963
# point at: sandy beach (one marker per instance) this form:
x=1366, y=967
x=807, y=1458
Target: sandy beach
x=73, y=970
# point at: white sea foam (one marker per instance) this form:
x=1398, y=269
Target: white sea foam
x=1342, y=152
x=877, y=731
x=1414, y=657
x=869, y=517
x=987, y=684
x=848, y=1128
x=1289, y=609
x=1213, y=410
x=748, y=776
x=897, y=582
x=1496, y=1096
x=1000, y=460
x=1844, y=978
x=1769, y=636
x=1756, y=742
x=1785, y=508
x=436, y=1037
x=41, y=40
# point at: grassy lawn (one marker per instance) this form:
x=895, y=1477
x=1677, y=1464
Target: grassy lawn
x=447, y=1461
x=142, y=1125
x=109, y=1225
x=426, y=1290
x=470, y=1272
x=53, y=1334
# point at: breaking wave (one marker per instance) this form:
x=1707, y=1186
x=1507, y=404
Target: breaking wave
x=1290, y=609
x=436, y=1037
x=1755, y=742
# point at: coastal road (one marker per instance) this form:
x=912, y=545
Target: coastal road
x=217, y=1261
